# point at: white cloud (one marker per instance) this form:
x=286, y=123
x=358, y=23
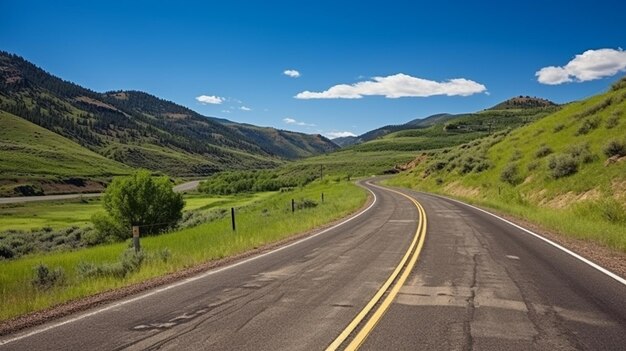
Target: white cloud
x=590, y=65
x=396, y=86
x=226, y=111
x=289, y=120
x=334, y=135
x=292, y=73
x=210, y=99
x=244, y=108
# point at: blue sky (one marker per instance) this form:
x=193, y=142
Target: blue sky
x=236, y=52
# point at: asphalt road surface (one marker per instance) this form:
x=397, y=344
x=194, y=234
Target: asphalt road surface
x=188, y=186
x=479, y=283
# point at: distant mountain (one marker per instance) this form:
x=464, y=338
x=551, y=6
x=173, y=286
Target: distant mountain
x=388, y=129
x=141, y=130
x=509, y=113
x=523, y=102
x=345, y=141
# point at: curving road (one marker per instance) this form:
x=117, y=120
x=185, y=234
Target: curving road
x=479, y=283
x=188, y=186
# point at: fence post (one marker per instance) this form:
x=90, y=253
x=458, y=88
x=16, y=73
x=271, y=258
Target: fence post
x=293, y=206
x=322, y=197
x=232, y=216
x=136, y=244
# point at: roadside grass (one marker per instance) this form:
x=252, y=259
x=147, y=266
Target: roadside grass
x=260, y=221
x=585, y=221
x=78, y=212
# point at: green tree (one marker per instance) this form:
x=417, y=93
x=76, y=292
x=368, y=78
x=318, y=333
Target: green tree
x=143, y=200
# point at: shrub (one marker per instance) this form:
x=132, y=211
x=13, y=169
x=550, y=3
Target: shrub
x=581, y=153
x=130, y=261
x=533, y=165
x=143, y=200
x=106, y=230
x=620, y=84
x=517, y=155
x=614, y=148
x=559, y=127
x=562, y=165
x=612, y=121
x=510, y=174
x=6, y=252
x=587, y=126
x=44, y=278
x=543, y=151
x=306, y=203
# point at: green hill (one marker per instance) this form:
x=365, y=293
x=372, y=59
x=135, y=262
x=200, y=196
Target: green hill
x=566, y=171
x=141, y=130
x=32, y=153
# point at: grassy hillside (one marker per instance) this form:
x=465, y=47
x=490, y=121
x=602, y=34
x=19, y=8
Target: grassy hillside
x=555, y=171
x=28, y=151
x=141, y=130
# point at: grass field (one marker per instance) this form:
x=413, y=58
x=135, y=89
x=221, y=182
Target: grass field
x=29, y=150
x=78, y=212
x=261, y=222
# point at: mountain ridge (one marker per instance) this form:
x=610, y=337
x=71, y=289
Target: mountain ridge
x=142, y=130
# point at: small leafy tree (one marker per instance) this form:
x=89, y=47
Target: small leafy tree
x=143, y=200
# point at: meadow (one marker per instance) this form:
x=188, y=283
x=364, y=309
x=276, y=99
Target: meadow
x=259, y=222
x=77, y=212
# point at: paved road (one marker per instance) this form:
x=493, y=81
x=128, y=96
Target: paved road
x=188, y=186
x=480, y=283
x=297, y=298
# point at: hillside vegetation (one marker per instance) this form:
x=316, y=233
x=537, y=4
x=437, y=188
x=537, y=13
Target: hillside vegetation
x=143, y=131
x=566, y=171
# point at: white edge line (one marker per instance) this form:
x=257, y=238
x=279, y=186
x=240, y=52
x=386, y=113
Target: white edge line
x=566, y=250
x=188, y=280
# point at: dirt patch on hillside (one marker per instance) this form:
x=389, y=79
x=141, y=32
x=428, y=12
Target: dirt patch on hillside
x=177, y=116
x=569, y=198
x=418, y=160
x=455, y=188
x=91, y=101
x=618, y=187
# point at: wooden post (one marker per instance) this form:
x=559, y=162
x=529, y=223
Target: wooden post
x=322, y=197
x=136, y=244
x=232, y=217
x=293, y=206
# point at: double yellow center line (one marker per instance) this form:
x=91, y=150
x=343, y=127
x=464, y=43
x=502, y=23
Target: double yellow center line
x=413, y=252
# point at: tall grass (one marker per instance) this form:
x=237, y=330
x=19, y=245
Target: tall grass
x=259, y=223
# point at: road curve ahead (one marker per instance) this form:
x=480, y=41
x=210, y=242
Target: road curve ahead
x=479, y=284
x=188, y=186
x=483, y=284
x=296, y=298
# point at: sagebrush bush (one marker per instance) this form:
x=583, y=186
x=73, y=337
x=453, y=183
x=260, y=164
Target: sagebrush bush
x=559, y=127
x=517, y=155
x=613, y=120
x=543, y=151
x=581, y=153
x=510, y=174
x=614, y=148
x=562, y=165
x=44, y=278
x=587, y=126
x=533, y=165
x=129, y=262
